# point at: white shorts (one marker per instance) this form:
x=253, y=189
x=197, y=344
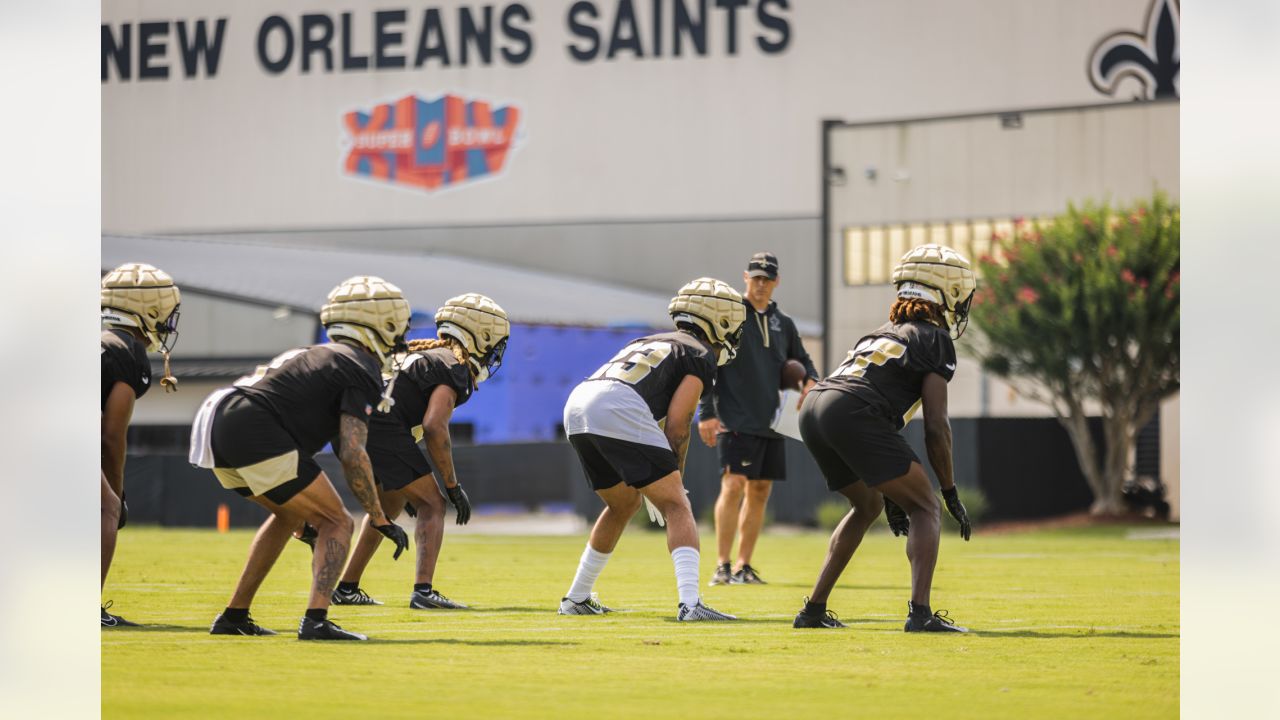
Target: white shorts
x=612, y=409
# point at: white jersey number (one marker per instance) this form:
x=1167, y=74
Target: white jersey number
x=871, y=351
x=634, y=362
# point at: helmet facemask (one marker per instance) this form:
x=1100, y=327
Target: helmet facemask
x=374, y=314
x=480, y=325
x=143, y=297
x=940, y=275
x=716, y=309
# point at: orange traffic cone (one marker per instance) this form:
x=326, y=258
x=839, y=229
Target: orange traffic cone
x=224, y=518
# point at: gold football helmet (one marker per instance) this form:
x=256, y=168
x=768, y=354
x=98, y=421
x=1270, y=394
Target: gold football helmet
x=481, y=325
x=939, y=275
x=370, y=311
x=715, y=308
x=138, y=295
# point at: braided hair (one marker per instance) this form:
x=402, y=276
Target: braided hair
x=456, y=347
x=915, y=309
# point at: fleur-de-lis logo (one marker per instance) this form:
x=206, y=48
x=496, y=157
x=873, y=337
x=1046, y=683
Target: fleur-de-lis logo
x=1152, y=58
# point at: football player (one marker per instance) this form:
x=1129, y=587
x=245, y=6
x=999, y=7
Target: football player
x=260, y=434
x=435, y=377
x=139, y=315
x=629, y=424
x=851, y=423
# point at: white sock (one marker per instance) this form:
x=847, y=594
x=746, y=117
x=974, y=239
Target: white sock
x=686, y=561
x=589, y=568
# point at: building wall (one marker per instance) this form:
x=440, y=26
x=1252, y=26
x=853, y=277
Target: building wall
x=636, y=166
x=932, y=173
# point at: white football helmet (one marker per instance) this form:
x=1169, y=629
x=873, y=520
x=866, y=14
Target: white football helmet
x=715, y=308
x=137, y=295
x=370, y=311
x=939, y=275
x=481, y=325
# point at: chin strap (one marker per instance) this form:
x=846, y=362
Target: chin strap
x=168, y=382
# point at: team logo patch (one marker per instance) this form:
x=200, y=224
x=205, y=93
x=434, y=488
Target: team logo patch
x=429, y=144
x=1154, y=58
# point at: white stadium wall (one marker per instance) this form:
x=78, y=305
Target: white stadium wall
x=628, y=162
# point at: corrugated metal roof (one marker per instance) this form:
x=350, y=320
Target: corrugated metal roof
x=303, y=277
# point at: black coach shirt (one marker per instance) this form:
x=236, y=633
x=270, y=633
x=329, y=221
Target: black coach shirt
x=420, y=374
x=309, y=389
x=124, y=359
x=887, y=367
x=746, y=393
x=655, y=366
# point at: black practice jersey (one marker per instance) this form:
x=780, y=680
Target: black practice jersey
x=887, y=367
x=124, y=359
x=308, y=389
x=655, y=365
x=420, y=374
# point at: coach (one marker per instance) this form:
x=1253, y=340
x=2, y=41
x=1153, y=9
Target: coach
x=735, y=418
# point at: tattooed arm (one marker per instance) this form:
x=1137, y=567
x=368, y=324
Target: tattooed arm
x=352, y=433
x=680, y=416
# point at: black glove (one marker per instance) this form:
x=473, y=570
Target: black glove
x=897, y=517
x=124, y=513
x=309, y=535
x=951, y=497
x=397, y=535
x=411, y=510
x=458, y=497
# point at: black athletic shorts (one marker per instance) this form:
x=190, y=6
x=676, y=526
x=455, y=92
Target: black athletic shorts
x=757, y=457
x=245, y=437
x=609, y=461
x=852, y=440
x=395, y=457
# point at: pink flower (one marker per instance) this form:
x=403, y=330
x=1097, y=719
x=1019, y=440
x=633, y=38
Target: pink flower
x=1027, y=296
x=1135, y=220
x=1019, y=221
x=1112, y=251
x=1127, y=275
x=1143, y=283
x=1087, y=223
x=1175, y=277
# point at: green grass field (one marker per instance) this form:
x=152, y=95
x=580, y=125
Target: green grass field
x=1071, y=623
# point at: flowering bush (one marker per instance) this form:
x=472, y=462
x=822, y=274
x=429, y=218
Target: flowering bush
x=1086, y=308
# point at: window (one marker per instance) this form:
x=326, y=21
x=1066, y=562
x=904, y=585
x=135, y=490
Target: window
x=870, y=252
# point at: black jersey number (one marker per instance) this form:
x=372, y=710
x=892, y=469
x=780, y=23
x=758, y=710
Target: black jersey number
x=634, y=362
x=262, y=370
x=871, y=351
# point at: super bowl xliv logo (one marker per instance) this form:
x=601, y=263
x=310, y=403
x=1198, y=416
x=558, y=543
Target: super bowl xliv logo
x=429, y=144
x=1152, y=58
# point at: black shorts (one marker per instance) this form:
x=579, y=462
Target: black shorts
x=395, y=457
x=756, y=456
x=852, y=440
x=609, y=461
x=245, y=438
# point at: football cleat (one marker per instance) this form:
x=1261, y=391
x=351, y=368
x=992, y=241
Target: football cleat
x=939, y=275
x=223, y=626
x=825, y=619
x=353, y=597
x=114, y=621
x=590, y=606
x=938, y=622
x=723, y=576
x=432, y=600
x=481, y=325
x=310, y=629
x=716, y=309
x=748, y=576
x=699, y=612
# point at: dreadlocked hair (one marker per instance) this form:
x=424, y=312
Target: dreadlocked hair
x=458, y=351
x=913, y=309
